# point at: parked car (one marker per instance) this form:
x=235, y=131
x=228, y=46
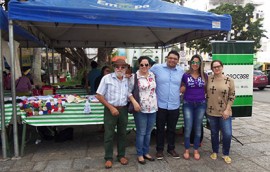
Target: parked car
x=267, y=73
x=260, y=80
x=208, y=72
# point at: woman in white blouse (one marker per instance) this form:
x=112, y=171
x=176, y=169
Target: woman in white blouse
x=145, y=117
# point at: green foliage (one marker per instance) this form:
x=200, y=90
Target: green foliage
x=244, y=27
x=72, y=83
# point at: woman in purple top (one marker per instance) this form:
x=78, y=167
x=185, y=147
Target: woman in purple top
x=194, y=105
x=23, y=85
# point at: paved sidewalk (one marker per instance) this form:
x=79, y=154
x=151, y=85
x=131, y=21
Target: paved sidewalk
x=85, y=152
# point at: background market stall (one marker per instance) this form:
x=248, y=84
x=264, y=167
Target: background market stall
x=24, y=39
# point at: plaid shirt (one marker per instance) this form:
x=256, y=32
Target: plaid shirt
x=114, y=90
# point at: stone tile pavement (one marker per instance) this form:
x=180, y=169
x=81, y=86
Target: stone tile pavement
x=85, y=152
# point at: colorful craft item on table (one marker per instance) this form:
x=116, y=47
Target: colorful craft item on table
x=42, y=107
x=45, y=110
x=70, y=98
x=48, y=105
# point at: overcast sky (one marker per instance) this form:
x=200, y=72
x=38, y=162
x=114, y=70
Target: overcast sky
x=202, y=5
x=197, y=4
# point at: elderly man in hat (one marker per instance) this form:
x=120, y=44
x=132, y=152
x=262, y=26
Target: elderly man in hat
x=113, y=94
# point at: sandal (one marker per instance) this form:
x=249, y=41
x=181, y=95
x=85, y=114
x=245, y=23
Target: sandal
x=148, y=157
x=186, y=155
x=123, y=161
x=197, y=156
x=227, y=159
x=108, y=164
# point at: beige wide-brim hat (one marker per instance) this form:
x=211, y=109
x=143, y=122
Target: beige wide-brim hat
x=27, y=71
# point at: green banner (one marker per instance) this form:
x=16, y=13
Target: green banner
x=243, y=101
x=235, y=59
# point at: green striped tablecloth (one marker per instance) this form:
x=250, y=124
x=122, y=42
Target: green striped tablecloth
x=8, y=114
x=7, y=93
x=78, y=91
x=74, y=115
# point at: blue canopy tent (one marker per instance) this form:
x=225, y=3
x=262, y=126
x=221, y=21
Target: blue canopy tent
x=114, y=23
x=21, y=35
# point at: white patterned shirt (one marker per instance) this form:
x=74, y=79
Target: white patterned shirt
x=147, y=92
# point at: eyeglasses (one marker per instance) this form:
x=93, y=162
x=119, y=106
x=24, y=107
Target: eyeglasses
x=197, y=63
x=216, y=67
x=119, y=67
x=142, y=65
x=171, y=58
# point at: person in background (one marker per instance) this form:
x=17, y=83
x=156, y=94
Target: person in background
x=146, y=117
x=23, y=85
x=168, y=80
x=220, y=98
x=194, y=105
x=6, y=80
x=92, y=75
x=68, y=76
x=104, y=71
x=83, y=80
x=113, y=93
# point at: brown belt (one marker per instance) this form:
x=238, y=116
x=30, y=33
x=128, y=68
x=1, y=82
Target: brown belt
x=119, y=107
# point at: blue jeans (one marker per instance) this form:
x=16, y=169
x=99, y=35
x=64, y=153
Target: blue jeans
x=193, y=116
x=216, y=124
x=144, y=125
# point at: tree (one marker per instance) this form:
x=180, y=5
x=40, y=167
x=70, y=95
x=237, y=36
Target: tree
x=36, y=66
x=104, y=55
x=244, y=27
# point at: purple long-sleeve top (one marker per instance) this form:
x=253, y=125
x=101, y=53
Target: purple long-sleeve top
x=23, y=84
x=195, y=88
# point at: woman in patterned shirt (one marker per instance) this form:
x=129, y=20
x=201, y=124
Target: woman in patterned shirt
x=220, y=97
x=145, y=118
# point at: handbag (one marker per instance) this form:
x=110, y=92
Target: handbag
x=135, y=93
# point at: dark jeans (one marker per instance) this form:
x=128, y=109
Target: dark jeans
x=217, y=124
x=110, y=122
x=169, y=117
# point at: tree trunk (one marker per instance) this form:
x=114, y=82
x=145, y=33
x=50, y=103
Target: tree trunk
x=104, y=56
x=36, y=66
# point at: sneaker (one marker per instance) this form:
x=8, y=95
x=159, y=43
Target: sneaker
x=174, y=154
x=159, y=155
x=227, y=159
x=213, y=156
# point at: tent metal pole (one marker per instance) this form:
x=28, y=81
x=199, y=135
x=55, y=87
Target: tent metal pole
x=13, y=91
x=53, y=65
x=2, y=104
x=21, y=61
x=162, y=57
x=48, y=66
x=229, y=36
